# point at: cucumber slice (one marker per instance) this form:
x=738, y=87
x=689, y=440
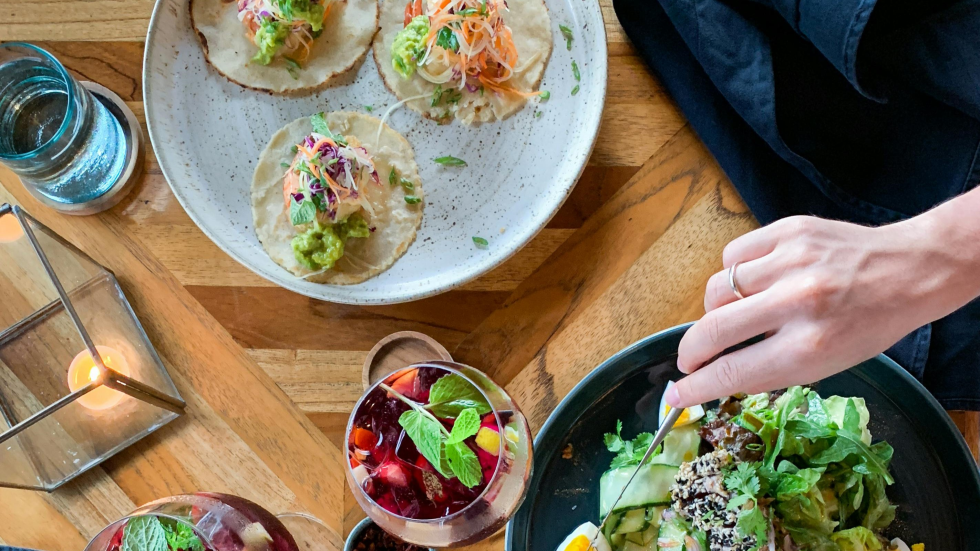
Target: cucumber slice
x=680, y=445
x=651, y=487
x=654, y=517
x=672, y=533
x=617, y=541
x=634, y=520
x=610, y=528
x=635, y=537
x=650, y=534
x=632, y=546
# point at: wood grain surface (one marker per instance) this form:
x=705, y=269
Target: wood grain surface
x=268, y=396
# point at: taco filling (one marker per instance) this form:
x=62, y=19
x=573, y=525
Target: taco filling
x=335, y=200
x=459, y=45
x=283, y=27
x=323, y=191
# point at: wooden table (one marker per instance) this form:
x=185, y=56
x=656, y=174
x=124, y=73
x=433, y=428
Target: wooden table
x=628, y=254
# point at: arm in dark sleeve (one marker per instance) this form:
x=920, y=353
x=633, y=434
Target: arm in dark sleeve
x=932, y=46
x=938, y=54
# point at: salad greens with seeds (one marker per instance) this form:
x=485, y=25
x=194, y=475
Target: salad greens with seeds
x=787, y=471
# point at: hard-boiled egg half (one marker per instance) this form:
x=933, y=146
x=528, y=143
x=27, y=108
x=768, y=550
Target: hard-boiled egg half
x=687, y=417
x=580, y=538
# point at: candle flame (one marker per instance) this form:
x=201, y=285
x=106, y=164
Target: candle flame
x=83, y=371
x=10, y=229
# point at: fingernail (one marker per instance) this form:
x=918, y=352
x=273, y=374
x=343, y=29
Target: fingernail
x=680, y=366
x=673, y=397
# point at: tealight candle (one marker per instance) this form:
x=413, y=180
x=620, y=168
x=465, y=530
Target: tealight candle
x=83, y=371
x=10, y=229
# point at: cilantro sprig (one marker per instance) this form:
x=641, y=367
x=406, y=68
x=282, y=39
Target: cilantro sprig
x=628, y=452
x=745, y=487
x=446, y=38
x=447, y=451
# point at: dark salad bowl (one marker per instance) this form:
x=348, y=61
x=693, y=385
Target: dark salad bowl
x=937, y=483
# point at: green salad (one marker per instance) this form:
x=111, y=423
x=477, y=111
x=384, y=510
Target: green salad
x=787, y=471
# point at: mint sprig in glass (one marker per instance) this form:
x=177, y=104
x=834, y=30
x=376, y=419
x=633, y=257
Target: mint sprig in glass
x=439, y=455
x=211, y=522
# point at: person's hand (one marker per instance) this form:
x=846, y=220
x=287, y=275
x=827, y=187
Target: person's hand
x=827, y=295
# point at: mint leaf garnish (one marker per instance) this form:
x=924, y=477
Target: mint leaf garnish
x=426, y=433
x=292, y=67
x=466, y=425
x=144, y=534
x=449, y=160
x=320, y=126
x=567, y=34
x=447, y=451
x=301, y=213
x=465, y=464
x=452, y=394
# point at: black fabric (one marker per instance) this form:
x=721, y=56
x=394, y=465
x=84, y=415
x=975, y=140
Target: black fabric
x=846, y=109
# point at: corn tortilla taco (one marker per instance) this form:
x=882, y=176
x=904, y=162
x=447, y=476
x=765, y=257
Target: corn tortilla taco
x=284, y=46
x=336, y=198
x=473, y=60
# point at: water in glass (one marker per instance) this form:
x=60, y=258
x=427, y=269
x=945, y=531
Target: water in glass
x=53, y=133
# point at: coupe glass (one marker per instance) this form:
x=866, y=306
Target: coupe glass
x=223, y=523
x=404, y=495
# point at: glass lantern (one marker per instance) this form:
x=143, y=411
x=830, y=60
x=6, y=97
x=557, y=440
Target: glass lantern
x=79, y=380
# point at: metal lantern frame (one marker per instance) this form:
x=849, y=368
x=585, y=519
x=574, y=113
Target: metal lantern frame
x=107, y=376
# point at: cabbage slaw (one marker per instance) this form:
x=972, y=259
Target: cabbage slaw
x=468, y=43
x=329, y=171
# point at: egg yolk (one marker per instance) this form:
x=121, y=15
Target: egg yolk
x=580, y=543
x=685, y=415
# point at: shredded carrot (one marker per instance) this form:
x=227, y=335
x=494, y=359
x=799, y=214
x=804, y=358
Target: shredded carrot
x=486, y=55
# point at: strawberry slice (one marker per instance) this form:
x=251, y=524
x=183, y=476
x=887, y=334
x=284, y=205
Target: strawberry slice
x=393, y=474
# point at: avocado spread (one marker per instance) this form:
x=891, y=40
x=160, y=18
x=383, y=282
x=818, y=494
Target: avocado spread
x=269, y=38
x=320, y=247
x=409, y=46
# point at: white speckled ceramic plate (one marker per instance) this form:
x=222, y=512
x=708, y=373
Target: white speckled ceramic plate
x=208, y=132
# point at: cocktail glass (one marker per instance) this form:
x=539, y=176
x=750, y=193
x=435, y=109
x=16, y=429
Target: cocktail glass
x=220, y=522
x=401, y=491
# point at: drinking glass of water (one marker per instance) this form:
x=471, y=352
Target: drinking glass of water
x=71, y=149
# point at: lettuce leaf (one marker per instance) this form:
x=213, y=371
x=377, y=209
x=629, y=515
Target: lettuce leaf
x=842, y=411
x=856, y=539
x=811, y=540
